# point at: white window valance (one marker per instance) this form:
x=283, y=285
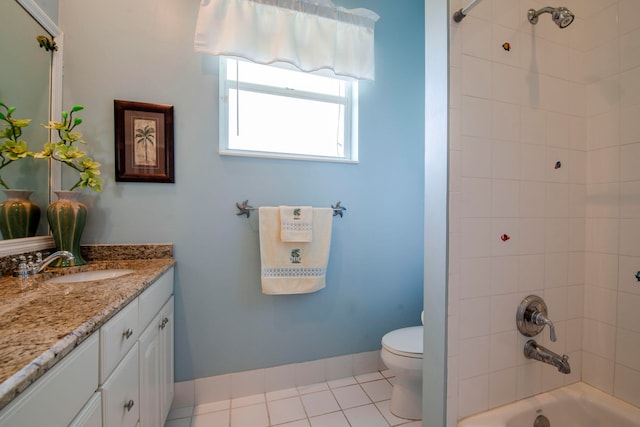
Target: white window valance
x=312, y=35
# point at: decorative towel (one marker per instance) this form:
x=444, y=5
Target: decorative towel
x=293, y=267
x=296, y=223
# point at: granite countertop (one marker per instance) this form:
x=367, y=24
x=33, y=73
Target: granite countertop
x=40, y=322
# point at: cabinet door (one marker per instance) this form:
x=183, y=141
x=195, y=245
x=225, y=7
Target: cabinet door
x=149, y=371
x=91, y=414
x=120, y=403
x=57, y=397
x=166, y=359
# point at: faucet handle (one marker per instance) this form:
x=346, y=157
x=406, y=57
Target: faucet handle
x=539, y=318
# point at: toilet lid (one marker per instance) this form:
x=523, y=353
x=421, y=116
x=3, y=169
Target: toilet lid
x=405, y=341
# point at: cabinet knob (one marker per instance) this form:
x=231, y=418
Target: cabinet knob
x=127, y=334
x=164, y=322
x=129, y=405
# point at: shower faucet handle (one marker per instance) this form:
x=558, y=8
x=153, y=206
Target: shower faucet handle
x=540, y=318
x=531, y=317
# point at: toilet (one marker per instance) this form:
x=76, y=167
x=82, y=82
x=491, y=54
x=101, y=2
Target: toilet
x=402, y=354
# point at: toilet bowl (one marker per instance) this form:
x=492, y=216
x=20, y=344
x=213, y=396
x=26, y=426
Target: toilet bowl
x=402, y=354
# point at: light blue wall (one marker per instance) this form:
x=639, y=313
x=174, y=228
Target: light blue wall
x=143, y=51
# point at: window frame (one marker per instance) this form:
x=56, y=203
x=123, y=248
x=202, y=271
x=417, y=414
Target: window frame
x=350, y=117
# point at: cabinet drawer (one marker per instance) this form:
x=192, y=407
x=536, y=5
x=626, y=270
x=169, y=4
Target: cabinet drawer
x=120, y=404
x=152, y=300
x=91, y=414
x=56, y=398
x=117, y=337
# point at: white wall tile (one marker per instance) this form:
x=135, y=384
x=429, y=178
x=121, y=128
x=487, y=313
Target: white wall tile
x=532, y=198
x=531, y=272
x=502, y=350
x=597, y=371
x=630, y=87
x=476, y=117
x=629, y=268
x=476, y=77
x=600, y=304
x=474, y=357
x=627, y=384
x=599, y=338
x=476, y=197
x=504, y=274
x=629, y=155
x=629, y=237
x=505, y=198
x=533, y=125
x=471, y=310
x=473, y=396
x=628, y=314
x=247, y=383
x=506, y=121
x=629, y=124
x=505, y=160
x=475, y=157
x=475, y=277
x=502, y=387
x=533, y=162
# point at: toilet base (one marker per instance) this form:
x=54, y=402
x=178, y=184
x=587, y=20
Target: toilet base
x=406, y=398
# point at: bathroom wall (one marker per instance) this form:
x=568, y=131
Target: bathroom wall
x=517, y=199
x=543, y=199
x=143, y=51
x=611, y=356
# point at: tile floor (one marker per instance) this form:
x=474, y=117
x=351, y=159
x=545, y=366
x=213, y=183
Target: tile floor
x=361, y=401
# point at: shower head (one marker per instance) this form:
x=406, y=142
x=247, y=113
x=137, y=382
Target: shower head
x=560, y=15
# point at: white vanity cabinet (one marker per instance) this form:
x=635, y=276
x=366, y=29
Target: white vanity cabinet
x=120, y=376
x=57, y=397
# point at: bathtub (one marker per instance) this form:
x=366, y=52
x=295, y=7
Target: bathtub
x=576, y=405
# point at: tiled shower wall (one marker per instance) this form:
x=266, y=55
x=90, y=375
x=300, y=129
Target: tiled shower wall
x=544, y=198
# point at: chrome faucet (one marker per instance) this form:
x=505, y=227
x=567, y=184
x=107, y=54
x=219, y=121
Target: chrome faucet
x=41, y=264
x=533, y=350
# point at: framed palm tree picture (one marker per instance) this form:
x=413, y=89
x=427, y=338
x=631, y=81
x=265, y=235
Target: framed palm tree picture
x=144, y=142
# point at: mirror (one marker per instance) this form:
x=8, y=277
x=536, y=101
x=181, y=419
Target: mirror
x=31, y=82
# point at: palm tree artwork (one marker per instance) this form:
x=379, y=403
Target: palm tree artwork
x=145, y=142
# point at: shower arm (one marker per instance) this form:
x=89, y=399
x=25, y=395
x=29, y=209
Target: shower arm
x=460, y=14
x=534, y=14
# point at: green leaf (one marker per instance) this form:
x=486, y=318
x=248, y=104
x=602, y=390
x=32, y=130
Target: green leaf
x=77, y=108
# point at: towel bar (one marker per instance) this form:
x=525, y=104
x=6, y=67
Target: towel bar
x=245, y=209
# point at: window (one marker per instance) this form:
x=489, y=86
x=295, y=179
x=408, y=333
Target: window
x=268, y=111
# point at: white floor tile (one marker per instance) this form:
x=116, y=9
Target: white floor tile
x=335, y=419
x=343, y=402
x=369, y=377
x=250, y=416
x=285, y=410
x=365, y=416
x=211, y=407
x=312, y=388
x=319, y=403
x=281, y=394
x=378, y=390
x=212, y=419
x=342, y=382
x=299, y=423
x=351, y=396
x=254, y=399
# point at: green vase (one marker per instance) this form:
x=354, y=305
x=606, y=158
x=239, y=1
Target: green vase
x=19, y=216
x=67, y=218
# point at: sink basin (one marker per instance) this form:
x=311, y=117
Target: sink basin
x=87, y=276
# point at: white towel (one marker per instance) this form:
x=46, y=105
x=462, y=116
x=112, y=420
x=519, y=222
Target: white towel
x=296, y=223
x=293, y=267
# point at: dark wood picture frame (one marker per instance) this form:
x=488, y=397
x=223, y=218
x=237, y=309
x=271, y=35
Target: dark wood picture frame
x=143, y=142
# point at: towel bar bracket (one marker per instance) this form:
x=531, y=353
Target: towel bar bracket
x=245, y=209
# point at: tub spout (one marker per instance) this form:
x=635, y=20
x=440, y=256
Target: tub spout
x=533, y=350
